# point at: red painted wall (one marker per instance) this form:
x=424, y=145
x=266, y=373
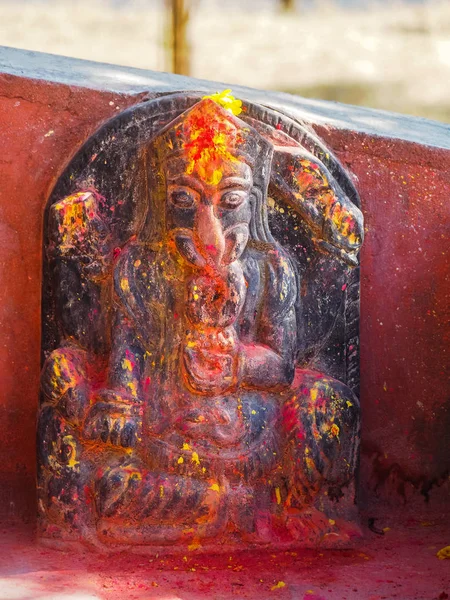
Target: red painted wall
x=405, y=288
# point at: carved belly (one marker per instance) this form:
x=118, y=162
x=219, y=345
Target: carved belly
x=247, y=447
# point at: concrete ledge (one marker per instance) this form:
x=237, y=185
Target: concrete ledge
x=125, y=80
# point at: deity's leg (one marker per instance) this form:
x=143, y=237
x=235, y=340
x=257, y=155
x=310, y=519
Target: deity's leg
x=63, y=473
x=137, y=506
x=90, y=490
x=321, y=419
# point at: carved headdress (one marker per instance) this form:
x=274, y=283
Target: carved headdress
x=202, y=139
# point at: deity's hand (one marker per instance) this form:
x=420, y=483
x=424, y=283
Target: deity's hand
x=112, y=420
x=210, y=360
x=343, y=227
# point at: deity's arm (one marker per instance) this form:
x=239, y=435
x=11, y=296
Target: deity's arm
x=138, y=306
x=116, y=412
x=262, y=366
x=127, y=360
x=309, y=188
x=269, y=362
x=80, y=258
x=118, y=406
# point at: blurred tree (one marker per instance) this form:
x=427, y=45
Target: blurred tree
x=179, y=45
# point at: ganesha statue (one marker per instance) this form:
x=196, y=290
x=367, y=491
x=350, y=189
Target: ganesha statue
x=200, y=334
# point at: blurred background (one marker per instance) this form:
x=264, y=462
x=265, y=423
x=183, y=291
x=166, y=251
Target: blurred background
x=393, y=55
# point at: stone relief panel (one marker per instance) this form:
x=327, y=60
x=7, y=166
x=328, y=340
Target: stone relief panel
x=200, y=334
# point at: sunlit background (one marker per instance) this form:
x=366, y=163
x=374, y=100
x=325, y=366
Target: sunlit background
x=393, y=55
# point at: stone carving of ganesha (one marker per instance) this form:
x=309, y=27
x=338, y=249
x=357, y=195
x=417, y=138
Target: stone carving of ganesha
x=183, y=401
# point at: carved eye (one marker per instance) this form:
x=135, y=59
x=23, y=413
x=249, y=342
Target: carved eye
x=183, y=197
x=233, y=199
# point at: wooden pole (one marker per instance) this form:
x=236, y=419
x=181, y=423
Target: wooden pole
x=288, y=5
x=180, y=44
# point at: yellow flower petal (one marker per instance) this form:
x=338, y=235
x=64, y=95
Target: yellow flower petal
x=227, y=101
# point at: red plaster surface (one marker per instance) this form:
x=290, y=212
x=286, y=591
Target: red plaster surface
x=401, y=564
x=405, y=293
x=405, y=312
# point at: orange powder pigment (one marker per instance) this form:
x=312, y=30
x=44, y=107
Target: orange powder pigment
x=211, y=140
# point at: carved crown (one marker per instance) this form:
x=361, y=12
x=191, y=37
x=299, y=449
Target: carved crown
x=206, y=136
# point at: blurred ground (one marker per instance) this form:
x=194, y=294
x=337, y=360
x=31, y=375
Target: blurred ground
x=394, y=56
